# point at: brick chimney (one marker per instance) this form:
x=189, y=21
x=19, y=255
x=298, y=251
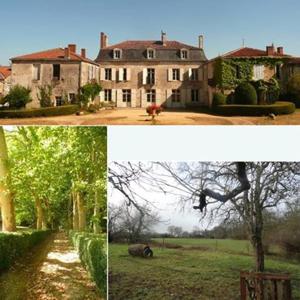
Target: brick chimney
x=280, y=51
x=103, y=40
x=72, y=48
x=270, y=50
x=164, y=38
x=83, y=53
x=201, y=42
x=67, y=53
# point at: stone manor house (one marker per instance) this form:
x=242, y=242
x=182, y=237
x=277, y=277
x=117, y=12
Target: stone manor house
x=135, y=73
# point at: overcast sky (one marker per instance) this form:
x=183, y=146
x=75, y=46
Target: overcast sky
x=167, y=205
x=34, y=25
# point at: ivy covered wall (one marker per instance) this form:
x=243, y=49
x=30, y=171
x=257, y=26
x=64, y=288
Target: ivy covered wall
x=228, y=73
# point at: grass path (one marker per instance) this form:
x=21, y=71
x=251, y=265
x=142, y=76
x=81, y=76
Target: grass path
x=51, y=271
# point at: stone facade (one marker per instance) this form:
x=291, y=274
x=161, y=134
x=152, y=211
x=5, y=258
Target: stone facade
x=137, y=78
x=62, y=69
x=5, y=80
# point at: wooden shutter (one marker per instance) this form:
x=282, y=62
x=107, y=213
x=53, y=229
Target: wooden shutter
x=170, y=75
x=113, y=74
x=190, y=73
x=144, y=76
x=133, y=97
x=102, y=74
x=102, y=96
x=113, y=95
x=181, y=74
x=128, y=74
x=121, y=74
x=200, y=74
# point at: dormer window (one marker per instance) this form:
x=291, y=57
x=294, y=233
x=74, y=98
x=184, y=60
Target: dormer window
x=150, y=54
x=184, y=54
x=117, y=54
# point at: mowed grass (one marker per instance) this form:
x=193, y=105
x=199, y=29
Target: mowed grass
x=187, y=273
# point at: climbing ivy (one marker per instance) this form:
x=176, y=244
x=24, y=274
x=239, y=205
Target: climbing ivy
x=228, y=73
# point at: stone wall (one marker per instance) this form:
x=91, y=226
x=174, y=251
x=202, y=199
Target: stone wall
x=163, y=85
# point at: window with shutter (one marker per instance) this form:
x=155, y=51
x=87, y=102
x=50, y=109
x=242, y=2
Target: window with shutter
x=36, y=72
x=258, y=72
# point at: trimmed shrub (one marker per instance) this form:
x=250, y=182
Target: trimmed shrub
x=218, y=99
x=18, y=97
x=293, y=89
x=230, y=98
x=44, y=96
x=39, y=112
x=279, y=108
x=245, y=94
x=92, y=252
x=13, y=245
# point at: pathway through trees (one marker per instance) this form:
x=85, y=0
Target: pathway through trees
x=51, y=271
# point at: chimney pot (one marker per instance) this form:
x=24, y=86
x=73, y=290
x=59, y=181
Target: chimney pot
x=270, y=50
x=164, y=38
x=103, y=40
x=67, y=53
x=201, y=42
x=83, y=53
x=72, y=48
x=280, y=50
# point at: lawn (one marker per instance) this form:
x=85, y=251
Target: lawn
x=188, y=273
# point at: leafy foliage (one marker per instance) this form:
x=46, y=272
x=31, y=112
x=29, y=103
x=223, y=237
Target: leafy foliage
x=15, y=245
x=218, y=99
x=44, y=96
x=92, y=252
x=293, y=88
x=228, y=73
x=245, y=93
x=89, y=92
x=18, y=97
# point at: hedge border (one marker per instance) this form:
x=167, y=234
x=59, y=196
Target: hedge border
x=39, y=112
x=93, y=255
x=278, y=108
x=14, y=245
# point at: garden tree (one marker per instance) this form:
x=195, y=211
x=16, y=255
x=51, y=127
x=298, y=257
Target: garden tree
x=130, y=222
x=6, y=195
x=52, y=167
x=175, y=231
x=243, y=189
x=89, y=92
x=223, y=190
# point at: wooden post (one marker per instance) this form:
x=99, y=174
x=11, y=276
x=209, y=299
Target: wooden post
x=243, y=287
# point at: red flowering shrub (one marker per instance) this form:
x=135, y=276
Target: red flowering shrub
x=154, y=109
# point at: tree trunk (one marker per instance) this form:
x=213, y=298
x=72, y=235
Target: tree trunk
x=259, y=253
x=96, y=218
x=81, y=213
x=41, y=222
x=75, y=212
x=6, y=198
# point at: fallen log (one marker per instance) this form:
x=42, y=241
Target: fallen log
x=140, y=250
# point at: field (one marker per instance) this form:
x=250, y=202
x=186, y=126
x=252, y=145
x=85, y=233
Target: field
x=201, y=269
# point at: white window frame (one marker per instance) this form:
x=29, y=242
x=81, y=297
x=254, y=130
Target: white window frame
x=258, y=72
x=176, y=74
x=107, y=95
x=184, y=54
x=176, y=96
x=117, y=51
x=150, y=50
x=151, y=95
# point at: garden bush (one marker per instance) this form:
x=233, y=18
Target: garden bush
x=39, y=112
x=293, y=89
x=279, y=108
x=245, y=94
x=92, y=253
x=44, y=96
x=13, y=245
x=18, y=97
x=218, y=99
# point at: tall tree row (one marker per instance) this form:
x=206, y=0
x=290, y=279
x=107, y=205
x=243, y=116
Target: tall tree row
x=55, y=174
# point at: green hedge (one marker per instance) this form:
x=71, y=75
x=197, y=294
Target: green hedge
x=39, y=112
x=279, y=108
x=92, y=252
x=13, y=245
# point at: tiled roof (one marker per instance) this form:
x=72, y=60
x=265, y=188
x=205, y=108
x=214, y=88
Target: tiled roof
x=170, y=45
x=250, y=52
x=136, y=51
x=4, y=72
x=50, y=55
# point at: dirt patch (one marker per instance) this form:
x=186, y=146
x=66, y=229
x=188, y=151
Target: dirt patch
x=52, y=271
x=166, y=245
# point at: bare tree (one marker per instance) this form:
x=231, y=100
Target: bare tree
x=221, y=190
